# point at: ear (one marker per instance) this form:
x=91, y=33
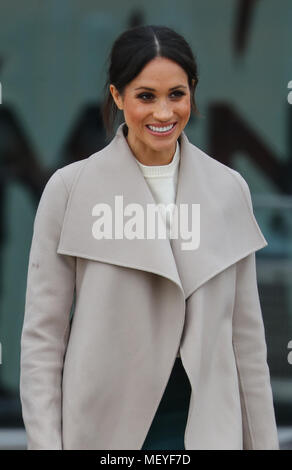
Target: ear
x=116, y=96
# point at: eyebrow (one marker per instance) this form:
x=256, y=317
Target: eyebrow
x=153, y=89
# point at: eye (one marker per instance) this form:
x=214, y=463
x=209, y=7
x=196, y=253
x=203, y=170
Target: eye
x=148, y=96
x=178, y=93
x=145, y=94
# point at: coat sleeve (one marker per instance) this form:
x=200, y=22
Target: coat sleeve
x=48, y=302
x=249, y=344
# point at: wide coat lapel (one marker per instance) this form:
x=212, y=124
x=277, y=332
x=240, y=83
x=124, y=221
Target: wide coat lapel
x=228, y=229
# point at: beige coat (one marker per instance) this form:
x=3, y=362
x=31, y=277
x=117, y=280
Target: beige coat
x=96, y=383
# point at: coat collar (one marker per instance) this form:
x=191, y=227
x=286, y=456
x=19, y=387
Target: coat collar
x=228, y=230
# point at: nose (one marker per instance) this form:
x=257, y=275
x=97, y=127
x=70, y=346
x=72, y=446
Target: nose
x=163, y=111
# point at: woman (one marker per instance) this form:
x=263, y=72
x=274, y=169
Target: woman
x=148, y=311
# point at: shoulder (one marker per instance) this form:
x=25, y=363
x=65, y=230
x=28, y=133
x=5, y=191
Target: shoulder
x=68, y=174
x=64, y=177
x=56, y=192
x=229, y=193
x=224, y=177
x=241, y=182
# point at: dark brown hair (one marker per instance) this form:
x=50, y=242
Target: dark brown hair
x=132, y=50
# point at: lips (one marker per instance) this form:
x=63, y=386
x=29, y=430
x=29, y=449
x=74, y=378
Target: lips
x=161, y=133
x=162, y=125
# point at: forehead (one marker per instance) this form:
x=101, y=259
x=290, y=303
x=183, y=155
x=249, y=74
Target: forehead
x=160, y=72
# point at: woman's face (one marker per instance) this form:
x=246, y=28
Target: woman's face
x=159, y=96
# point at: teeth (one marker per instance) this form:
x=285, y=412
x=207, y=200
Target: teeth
x=161, y=129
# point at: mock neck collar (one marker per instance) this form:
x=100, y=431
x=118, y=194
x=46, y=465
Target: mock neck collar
x=162, y=170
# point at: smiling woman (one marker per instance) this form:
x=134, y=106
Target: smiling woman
x=166, y=347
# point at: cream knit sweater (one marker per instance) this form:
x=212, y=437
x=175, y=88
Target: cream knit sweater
x=162, y=181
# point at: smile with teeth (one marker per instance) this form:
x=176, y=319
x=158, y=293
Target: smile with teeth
x=161, y=129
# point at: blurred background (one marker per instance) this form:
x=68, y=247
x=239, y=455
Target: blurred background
x=52, y=72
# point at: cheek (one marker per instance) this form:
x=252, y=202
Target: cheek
x=185, y=108
x=134, y=111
